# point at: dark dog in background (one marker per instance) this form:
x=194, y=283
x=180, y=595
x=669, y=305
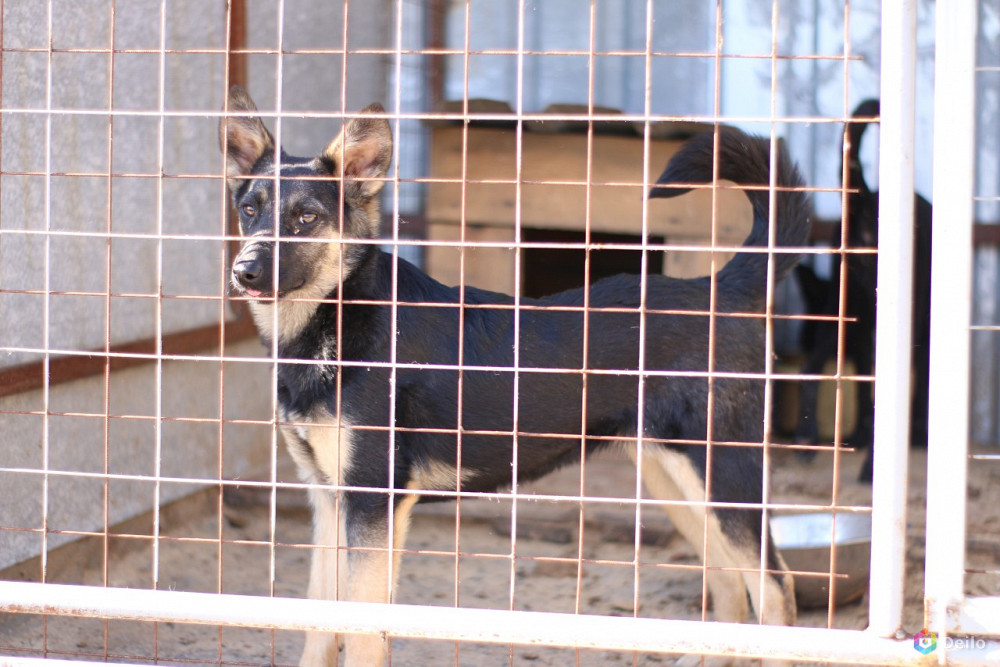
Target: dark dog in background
x=321, y=291
x=819, y=338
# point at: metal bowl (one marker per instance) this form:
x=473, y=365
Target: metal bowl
x=804, y=542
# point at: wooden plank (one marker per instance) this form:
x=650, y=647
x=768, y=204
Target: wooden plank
x=30, y=376
x=485, y=267
x=551, y=160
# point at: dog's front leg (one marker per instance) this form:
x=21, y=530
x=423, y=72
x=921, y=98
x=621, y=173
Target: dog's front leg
x=373, y=568
x=327, y=575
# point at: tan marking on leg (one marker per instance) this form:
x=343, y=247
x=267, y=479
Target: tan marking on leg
x=438, y=476
x=372, y=581
x=326, y=574
x=329, y=440
x=778, y=604
x=660, y=476
x=670, y=475
x=401, y=519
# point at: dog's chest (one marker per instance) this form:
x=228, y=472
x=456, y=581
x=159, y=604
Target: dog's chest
x=317, y=434
x=320, y=444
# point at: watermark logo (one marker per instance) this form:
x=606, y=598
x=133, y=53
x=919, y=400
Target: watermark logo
x=925, y=641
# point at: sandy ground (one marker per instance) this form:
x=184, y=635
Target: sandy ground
x=545, y=570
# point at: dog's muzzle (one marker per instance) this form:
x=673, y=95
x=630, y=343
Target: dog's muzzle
x=252, y=270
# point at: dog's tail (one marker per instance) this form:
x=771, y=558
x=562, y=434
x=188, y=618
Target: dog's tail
x=745, y=160
x=855, y=130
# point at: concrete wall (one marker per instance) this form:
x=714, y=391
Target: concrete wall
x=314, y=83
x=79, y=209
x=145, y=459
x=84, y=212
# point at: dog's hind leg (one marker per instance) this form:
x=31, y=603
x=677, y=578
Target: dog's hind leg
x=729, y=598
x=732, y=565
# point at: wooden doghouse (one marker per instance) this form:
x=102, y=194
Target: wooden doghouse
x=569, y=182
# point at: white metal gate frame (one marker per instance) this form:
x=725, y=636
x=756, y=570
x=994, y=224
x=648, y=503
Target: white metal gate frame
x=949, y=612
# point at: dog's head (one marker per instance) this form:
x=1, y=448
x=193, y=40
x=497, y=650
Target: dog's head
x=309, y=209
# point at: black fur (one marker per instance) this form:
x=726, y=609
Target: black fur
x=445, y=344
x=823, y=298
x=551, y=341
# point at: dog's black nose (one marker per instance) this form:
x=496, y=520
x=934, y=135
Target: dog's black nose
x=249, y=272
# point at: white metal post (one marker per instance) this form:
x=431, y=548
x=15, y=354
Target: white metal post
x=894, y=313
x=951, y=309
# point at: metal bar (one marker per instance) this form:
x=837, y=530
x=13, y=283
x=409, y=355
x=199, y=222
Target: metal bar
x=463, y=624
x=978, y=616
x=46, y=315
x=518, y=205
x=9, y=661
x=236, y=67
x=451, y=495
x=265, y=51
x=31, y=376
x=951, y=308
x=893, y=316
x=435, y=16
x=508, y=117
x=448, y=367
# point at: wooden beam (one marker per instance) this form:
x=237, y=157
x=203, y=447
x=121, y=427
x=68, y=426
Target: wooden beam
x=66, y=368
x=435, y=16
x=548, y=162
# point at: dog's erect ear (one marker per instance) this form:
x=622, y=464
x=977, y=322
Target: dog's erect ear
x=244, y=139
x=363, y=150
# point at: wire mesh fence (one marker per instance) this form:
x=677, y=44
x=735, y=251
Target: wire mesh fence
x=232, y=379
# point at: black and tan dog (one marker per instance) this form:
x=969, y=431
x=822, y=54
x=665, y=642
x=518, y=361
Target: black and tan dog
x=444, y=376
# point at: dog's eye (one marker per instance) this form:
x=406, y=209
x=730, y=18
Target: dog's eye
x=307, y=219
x=249, y=211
